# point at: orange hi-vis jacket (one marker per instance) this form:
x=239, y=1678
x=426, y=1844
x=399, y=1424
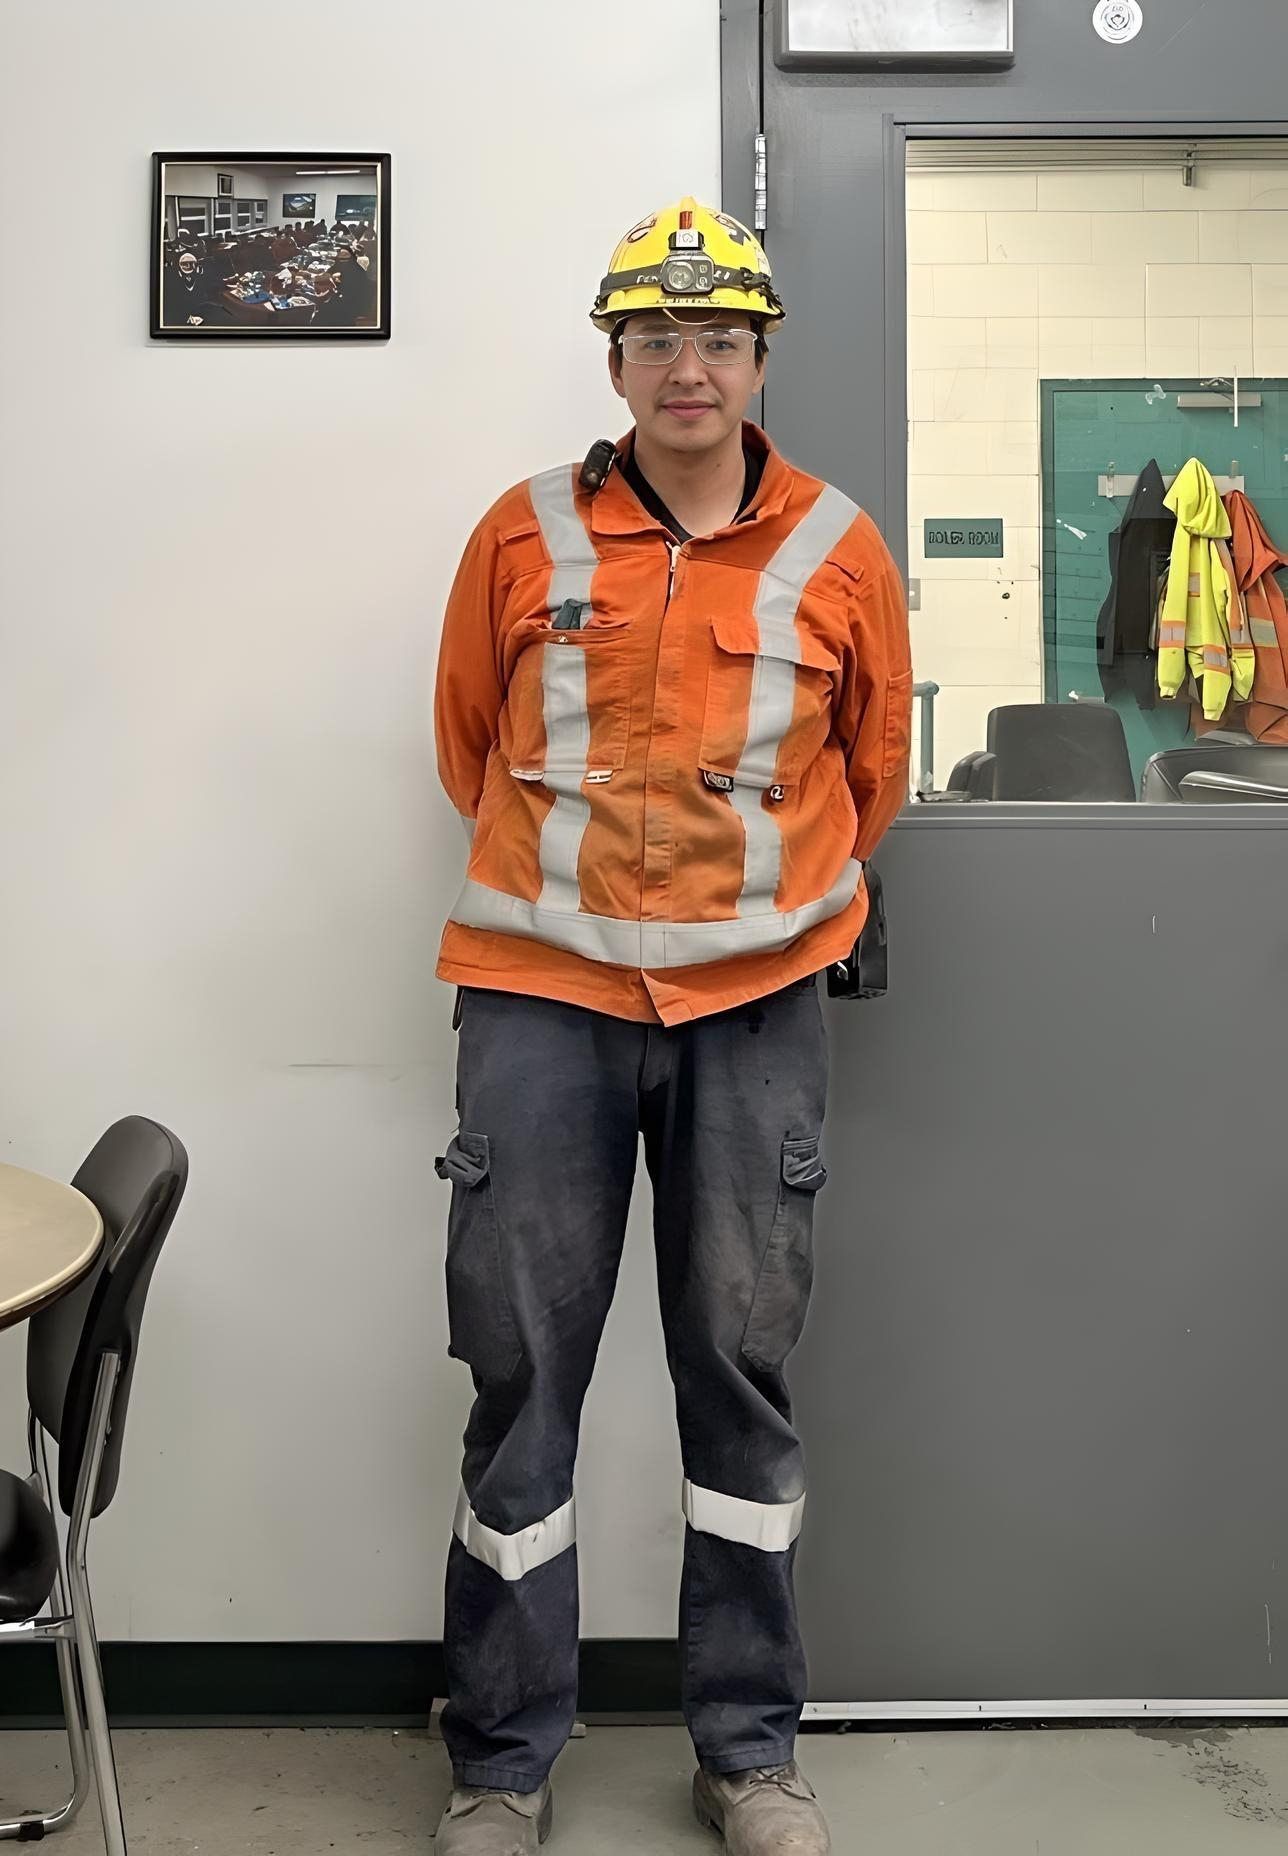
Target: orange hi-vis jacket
x=1256, y=562
x=672, y=760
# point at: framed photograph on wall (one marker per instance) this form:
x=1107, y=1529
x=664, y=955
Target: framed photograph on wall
x=295, y=247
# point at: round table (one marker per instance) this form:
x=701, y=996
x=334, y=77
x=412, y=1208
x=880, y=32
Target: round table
x=250, y=313
x=314, y=261
x=50, y=1237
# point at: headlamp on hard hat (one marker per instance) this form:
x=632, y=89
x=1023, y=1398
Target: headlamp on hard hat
x=687, y=271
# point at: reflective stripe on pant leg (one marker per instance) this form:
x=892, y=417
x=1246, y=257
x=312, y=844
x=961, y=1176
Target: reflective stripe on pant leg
x=770, y=1526
x=512, y=1556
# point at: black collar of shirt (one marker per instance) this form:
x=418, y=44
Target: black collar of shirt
x=753, y=469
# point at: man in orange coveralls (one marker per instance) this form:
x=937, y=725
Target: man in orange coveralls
x=673, y=710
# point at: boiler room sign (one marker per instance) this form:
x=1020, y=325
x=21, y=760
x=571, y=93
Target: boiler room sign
x=964, y=538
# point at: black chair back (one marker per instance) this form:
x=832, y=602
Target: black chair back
x=1160, y=783
x=975, y=775
x=135, y=1175
x=1060, y=751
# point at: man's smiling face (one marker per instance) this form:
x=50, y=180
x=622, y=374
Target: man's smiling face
x=687, y=404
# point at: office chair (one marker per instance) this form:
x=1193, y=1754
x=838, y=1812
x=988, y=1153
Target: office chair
x=1215, y=772
x=80, y=1363
x=1060, y=751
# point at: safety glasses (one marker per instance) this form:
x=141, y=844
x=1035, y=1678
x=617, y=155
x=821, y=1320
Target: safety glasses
x=714, y=347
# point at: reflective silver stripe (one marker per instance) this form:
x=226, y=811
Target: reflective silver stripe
x=567, y=721
x=514, y=1555
x=769, y=714
x=650, y=945
x=469, y=824
x=771, y=1526
x=1263, y=632
x=773, y=687
x=794, y=565
x=564, y=533
x=762, y=857
x=563, y=689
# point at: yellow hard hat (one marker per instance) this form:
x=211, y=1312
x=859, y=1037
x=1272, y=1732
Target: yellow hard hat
x=687, y=257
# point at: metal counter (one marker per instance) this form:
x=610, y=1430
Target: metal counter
x=1044, y=1384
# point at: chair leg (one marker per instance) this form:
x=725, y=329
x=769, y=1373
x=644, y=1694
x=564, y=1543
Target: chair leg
x=43, y=1824
x=68, y=1680
x=32, y=1828
x=82, y=1611
x=100, y=1738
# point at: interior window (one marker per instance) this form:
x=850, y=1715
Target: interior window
x=1098, y=470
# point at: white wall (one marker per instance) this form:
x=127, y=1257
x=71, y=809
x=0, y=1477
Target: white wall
x=1022, y=277
x=227, y=858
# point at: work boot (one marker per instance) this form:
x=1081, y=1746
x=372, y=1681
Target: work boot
x=769, y=1812
x=480, y=1822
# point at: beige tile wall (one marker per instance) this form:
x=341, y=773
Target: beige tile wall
x=1017, y=278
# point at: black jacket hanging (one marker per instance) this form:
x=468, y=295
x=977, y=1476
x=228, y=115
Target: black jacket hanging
x=1139, y=551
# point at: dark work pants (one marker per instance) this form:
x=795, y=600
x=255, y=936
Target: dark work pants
x=552, y=1099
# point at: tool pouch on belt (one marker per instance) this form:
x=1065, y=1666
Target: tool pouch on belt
x=863, y=973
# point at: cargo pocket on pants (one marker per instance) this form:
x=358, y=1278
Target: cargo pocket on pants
x=782, y=1295
x=480, y=1319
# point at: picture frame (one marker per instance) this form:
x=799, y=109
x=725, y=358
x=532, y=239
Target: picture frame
x=231, y=263
x=909, y=35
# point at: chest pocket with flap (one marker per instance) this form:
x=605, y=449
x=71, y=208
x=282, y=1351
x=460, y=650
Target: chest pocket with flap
x=769, y=699
x=567, y=710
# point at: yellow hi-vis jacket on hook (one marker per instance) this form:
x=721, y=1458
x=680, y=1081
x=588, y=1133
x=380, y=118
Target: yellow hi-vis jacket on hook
x=1203, y=619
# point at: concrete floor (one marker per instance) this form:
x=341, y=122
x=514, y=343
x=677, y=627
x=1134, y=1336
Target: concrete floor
x=1049, y=1792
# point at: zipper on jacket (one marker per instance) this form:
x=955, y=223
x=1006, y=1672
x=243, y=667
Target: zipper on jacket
x=672, y=550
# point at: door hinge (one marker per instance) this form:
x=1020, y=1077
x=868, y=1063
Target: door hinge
x=761, y=184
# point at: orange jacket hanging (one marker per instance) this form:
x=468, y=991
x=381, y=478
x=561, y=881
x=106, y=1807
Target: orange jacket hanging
x=1256, y=559
x=672, y=760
